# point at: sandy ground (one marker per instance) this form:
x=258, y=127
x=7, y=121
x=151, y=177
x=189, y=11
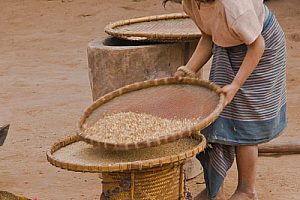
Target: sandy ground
x=44, y=88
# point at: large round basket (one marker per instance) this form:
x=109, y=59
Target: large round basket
x=166, y=99
x=168, y=27
x=140, y=174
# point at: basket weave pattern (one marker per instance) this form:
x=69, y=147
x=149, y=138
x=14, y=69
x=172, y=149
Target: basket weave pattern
x=157, y=141
x=149, y=179
x=148, y=184
x=168, y=27
x=129, y=166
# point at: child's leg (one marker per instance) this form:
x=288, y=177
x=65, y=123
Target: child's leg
x=246, y=159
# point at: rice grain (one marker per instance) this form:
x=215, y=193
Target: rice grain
x=130, y=127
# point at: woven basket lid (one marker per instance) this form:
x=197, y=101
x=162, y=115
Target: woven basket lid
x=167, y=99
x=168, y=27
x=75, y=155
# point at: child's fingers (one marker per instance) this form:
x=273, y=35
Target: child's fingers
x=179, y=74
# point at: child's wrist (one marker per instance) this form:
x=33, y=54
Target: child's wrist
x=236, y=83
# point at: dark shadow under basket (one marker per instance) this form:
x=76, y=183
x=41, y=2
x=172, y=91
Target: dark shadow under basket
x=167, y=98
x=168, y=27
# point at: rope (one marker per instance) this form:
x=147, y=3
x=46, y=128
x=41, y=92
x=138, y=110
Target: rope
x=122, y=185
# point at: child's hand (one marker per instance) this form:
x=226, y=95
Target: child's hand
x=230, y=91
x=184, y=71
x=179, y=74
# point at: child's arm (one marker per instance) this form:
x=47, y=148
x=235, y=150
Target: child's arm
x=252, y=58
x=201, y=55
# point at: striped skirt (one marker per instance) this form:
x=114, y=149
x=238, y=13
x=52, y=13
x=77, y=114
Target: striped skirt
x=257, y=113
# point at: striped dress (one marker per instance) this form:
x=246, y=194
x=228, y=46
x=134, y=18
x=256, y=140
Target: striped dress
x=256, y=114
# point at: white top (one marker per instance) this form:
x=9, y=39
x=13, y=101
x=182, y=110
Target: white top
x=229, y=22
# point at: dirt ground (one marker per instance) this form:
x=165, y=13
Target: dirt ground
x=44, y=88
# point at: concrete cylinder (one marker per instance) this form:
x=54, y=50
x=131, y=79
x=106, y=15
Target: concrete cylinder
x=114, y=63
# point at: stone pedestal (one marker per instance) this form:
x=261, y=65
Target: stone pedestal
x=114, y=63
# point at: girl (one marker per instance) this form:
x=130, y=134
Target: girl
x=249, y=63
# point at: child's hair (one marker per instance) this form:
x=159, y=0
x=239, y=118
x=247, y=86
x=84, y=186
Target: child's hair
x=180, y=1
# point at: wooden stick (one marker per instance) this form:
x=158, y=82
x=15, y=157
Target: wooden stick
x=285, y=145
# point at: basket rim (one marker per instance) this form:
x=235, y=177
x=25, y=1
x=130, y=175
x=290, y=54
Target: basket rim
x=123, y=166
x=131, y=35
x=160, y=140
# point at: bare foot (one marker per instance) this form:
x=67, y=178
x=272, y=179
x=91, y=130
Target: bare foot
x=220, y=196
x=203, y=196
x=243, y=196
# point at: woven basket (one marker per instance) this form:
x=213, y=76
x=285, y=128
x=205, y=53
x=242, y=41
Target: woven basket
x=167, y=98
x=168, y=27
x=75, y=155
x=4, y=195
x=141, y=179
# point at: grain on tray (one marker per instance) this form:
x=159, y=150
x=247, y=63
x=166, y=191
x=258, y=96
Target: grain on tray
x=85, y=154
x=128, y=127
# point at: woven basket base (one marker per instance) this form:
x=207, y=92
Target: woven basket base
x=158, y=183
